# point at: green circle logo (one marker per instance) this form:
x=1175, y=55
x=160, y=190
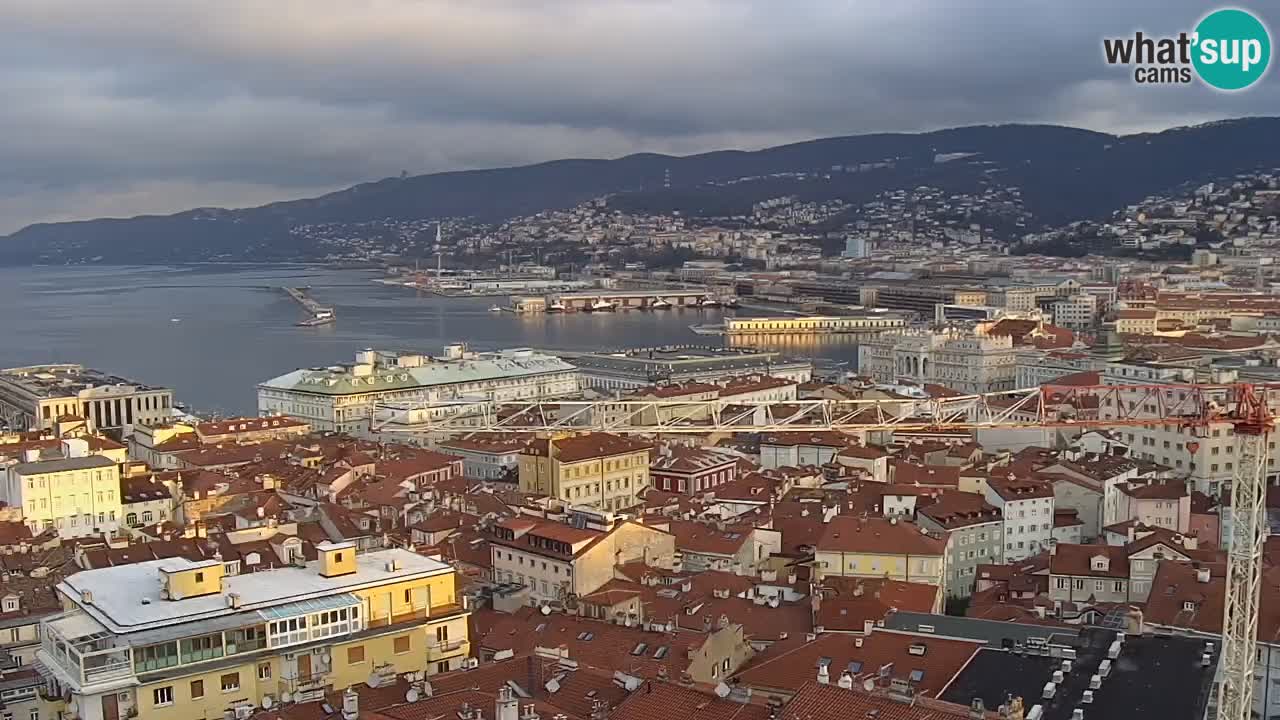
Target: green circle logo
x=1232, y=49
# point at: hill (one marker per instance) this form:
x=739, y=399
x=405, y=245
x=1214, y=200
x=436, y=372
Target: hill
x=1064, y=174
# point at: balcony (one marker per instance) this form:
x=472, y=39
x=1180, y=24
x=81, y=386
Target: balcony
x=304, y=683
x=447, y=649
x=83, y=654
x=416, y=615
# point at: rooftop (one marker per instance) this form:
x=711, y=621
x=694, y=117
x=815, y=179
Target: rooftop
x=1154, y=677
x=126, y=598
x=50, y=381
x=367, y=378
x=63, y=465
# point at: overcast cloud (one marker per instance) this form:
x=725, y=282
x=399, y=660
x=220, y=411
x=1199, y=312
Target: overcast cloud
x=121, y=107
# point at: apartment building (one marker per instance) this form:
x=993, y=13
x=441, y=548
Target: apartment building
x=880, y=548
x=1026, y=507
x=175, y=639
x=796, y=449
x=487, y=459
x=975, y=527
x=692, y=471
x=37, y=396
x=554, y=560
x=1165, y=504
x=77, y=494
x=600, y=470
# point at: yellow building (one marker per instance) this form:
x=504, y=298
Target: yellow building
x=174, y=639
x=874, y=547
x=78, y=494
x=603, y=471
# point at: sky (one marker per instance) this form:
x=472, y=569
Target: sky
x=123, y=107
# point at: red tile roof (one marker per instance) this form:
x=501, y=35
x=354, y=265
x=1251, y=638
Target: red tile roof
x=588, y=446
x=1077, y=561
x=790, y=671
x=831, y=702
x=846, y=533
x=664, y=701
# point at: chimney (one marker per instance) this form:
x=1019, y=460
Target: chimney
x=350, y=705
x=824, y=677
x=1202, y=575
x=845, y=681
x=507, y=706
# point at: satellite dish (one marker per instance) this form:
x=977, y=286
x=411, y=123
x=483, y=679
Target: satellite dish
x=266, y=702
x=722, y=690
x=869, y=685
x=285, y=697
x=411, y=696
x=545, y=609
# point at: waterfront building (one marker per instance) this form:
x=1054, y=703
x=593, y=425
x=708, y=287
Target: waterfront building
x=963, y=361
x=344, y=397
x=37, y=396
x=642, y=367
x=173, y=639
x=600, y=470
x=871, y=322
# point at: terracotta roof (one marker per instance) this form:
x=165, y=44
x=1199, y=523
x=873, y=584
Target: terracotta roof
x=960, y=509
x=692, y=460
x=1020, y=489
x=831, y=702
x=846, y=533
x=1156, y=490
x=848, y=603
x=586, y=447
x=664, y=701
x=908, y=473
x=942, y=659
x=142, y=488
x=1077, y=561
x=248, y=424
x=702, y=539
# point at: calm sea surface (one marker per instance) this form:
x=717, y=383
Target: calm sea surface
x=213, y=332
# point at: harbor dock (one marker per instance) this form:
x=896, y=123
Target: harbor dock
x=320, y=315
x=606, y=299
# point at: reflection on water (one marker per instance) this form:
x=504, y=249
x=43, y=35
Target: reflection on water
x=237, y=327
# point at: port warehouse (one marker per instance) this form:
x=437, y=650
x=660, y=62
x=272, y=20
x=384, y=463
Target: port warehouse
x=621, y=298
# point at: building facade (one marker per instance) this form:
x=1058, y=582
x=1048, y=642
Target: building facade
x=961, y=361
x=78, y=495
x=176, y=639
x=880, y=548
x=1027, y=510
x=976, y=529
x=599, y=470
x=643, y=367
x=344, y=398
x=36, y=396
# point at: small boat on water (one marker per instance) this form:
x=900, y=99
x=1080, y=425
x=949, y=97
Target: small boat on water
x=494, y=308
x=709, y=302
x=731, y=302
x=175, y=319
x=556, y=307
x=660, y=304
x=602, y=305
x=324, y=317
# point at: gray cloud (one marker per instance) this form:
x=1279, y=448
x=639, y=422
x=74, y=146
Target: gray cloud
x=126, y=106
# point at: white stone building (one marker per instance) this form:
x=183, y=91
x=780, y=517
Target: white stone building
x=962, y=361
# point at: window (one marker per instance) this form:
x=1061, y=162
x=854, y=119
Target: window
x=355, y=655
x=231, y=682
x=1062, y=583
x=264, y=671
x=442, y=634
x=1098, y=585
x=35, y=714
x=147, y=517
x=197, y=689
x=162, y=696
x=337, y=557
x=10, y=604
x=402, y=644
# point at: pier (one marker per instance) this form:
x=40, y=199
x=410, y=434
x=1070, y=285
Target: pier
x=320, y=315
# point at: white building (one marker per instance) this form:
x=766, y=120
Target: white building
x=962, y=361
x=1077, y=312
x=1027, y=509
x=483, y=459
x=344, y=397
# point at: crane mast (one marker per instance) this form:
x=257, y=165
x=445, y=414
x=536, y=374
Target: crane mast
x=1247, y=408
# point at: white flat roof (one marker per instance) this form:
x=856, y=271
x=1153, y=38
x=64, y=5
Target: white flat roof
x=126, y=598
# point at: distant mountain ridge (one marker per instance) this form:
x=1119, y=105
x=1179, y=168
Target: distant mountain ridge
x=1064, y=173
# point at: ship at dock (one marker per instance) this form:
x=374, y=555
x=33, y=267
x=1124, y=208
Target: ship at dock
x=321, y=317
